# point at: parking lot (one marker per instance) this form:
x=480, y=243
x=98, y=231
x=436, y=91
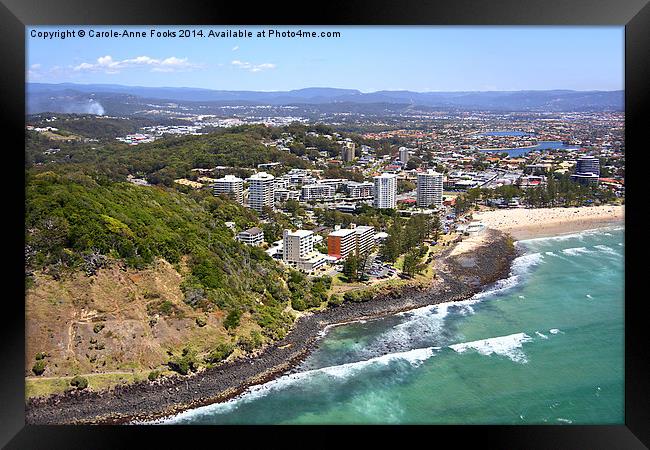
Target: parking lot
x=379, y=270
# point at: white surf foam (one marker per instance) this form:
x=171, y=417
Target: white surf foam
x=579, y=235
x=520, y=267
x=574, y=251
x=589, y=296
x=554, y=331
x=607, y=250
x=413, y=357
x=543, y=336
x=509, y=346
x=424, y=323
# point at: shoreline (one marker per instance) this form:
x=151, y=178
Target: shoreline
x=462, y=277
x=523, y=223
x=463, y=270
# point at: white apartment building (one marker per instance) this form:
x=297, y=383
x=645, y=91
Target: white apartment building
x=230, y=185
x=282, y=195
x=403, y=155
x=298, y=250
x=261, y=191
x=385, y=191
x=340, y=243
x=429, y=190
x=299, y=177
x=317, y=192
x=359, y=190
x=365, y=238
x=253, y=236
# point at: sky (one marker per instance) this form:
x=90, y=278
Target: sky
x=415, y=58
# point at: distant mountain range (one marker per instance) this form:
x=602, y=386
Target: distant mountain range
x=42, y=97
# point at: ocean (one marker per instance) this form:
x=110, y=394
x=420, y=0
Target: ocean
x=544, y=346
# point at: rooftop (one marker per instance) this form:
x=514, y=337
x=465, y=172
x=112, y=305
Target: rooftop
x=301, y=233
x=262, y=176
x=253, y=230
x=342, y=232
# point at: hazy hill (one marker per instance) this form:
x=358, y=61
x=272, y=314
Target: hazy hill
x=98, y=98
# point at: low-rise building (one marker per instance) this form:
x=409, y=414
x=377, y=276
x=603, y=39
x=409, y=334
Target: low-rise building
x=341, y=243
x=298, y=251
x=365, y=238
x=359, y=190
x=282, y=195
x=312, y=192
x=357, y=239
x=253, y=236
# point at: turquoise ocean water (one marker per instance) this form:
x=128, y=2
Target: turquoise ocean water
x=545, y=346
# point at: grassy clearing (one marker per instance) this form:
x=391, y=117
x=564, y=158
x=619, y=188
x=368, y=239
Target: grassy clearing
x=41, y=387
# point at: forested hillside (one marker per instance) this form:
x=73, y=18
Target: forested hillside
x=80, y=229
x=164, y=160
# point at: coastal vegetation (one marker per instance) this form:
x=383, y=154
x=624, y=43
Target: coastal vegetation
x=559, y=191
x=406, y=235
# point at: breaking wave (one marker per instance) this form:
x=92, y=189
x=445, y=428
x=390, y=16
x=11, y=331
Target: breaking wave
x=607, y=250
x=413, y=358
x=573, y=251
x=579, y=235
x=509, y=346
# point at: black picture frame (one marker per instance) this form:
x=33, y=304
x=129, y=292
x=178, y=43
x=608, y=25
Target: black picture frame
x=15, y=15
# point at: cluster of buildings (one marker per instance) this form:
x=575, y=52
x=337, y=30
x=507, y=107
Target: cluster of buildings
x=437, y=169
x=296, y=249
x=264, y=189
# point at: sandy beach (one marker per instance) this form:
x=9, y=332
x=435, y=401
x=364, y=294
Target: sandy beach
x=524, y=223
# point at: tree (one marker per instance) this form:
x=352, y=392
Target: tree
x=405, y=186
x=413, y=163
x=351, y=268
x=232, y=320
x=413, y=262
x=435, y=227
x=363, y=263
x=79, y=382
x=391, y=249
x=39, y=367
x=461, y=205
x=293, y=207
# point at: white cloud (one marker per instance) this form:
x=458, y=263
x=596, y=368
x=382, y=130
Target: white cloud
x=252, y=67
x=109, y=65
x=236, y=47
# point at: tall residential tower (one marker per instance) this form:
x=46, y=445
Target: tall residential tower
x=429, y=189
x=385, y=191
x=261, y=191
x=230, y=185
